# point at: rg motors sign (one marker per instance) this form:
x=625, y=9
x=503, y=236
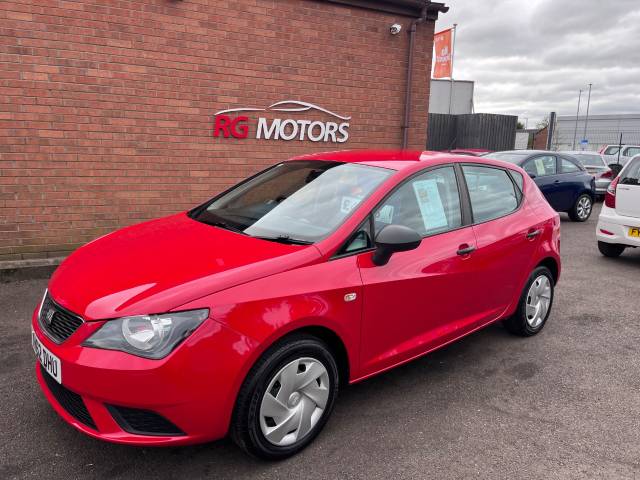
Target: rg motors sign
x=235, y=123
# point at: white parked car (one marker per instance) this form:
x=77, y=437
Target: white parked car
x=610, y=153
x=619, y=221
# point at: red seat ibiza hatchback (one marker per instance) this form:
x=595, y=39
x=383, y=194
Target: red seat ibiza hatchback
x=245, y=315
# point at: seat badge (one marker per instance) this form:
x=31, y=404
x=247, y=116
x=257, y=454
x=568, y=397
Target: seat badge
x=350, y=297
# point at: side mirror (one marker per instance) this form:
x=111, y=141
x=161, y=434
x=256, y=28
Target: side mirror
x=392, y=239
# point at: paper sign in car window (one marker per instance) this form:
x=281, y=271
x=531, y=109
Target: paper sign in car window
x=540, y=166
x=348, y=203
x=430, y=204
x=384, y=214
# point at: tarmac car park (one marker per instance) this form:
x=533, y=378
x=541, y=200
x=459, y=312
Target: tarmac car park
x=467, y=411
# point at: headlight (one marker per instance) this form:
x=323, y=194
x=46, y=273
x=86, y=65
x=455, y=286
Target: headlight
x=148, y=336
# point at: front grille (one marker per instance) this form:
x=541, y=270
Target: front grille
x=143, y=422
x=70, y=401
x=57, y=323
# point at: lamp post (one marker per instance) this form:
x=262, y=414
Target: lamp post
x=453, y=52
x=586, y=120
x=575, y=132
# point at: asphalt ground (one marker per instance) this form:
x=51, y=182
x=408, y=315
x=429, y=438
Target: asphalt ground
x=564, y=404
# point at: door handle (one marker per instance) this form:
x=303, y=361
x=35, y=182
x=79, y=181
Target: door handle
x=465, y=250
x=533, y=234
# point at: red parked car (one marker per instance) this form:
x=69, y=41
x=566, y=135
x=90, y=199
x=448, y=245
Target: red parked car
x=473, y=152
x=247, y=314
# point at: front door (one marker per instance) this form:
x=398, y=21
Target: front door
x=424, y=297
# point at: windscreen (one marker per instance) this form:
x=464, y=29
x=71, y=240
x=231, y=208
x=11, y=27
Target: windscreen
x=294, y=202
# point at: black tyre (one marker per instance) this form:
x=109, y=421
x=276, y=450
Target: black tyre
x=534, y=306
x=582, y=209
x=286, y=399
x=612, y=250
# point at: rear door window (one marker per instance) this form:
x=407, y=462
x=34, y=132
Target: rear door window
x=491, y=191
x=631, y=151
x=568, y=166
x=541, y=165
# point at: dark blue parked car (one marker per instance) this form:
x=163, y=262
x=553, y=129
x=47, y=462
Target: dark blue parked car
x=565, y=183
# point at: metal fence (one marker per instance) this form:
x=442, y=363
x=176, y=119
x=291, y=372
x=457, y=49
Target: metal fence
x=476, y=130
x=598, y=131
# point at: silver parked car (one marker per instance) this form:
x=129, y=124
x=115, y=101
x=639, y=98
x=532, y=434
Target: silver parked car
x=596, y=165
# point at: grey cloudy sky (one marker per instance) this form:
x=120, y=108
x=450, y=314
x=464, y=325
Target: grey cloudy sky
x=529, y=57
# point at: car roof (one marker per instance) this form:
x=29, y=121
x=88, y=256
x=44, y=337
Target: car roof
x=391, y=159
x=525, y=152
x=580, y=152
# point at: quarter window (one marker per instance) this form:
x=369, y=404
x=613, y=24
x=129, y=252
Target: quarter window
x=428, y=203
x=491, y=191
x=360, y=240
x=540, y=166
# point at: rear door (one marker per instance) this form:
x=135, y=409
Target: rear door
x=506, y=235
x=543, y=170
x=572, y=180
x=628, y=191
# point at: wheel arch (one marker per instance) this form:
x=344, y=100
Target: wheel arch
x=553, y=266
x=330, y=337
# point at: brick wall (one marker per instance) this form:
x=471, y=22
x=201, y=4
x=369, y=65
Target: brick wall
x=106, y=107
x=540, y=139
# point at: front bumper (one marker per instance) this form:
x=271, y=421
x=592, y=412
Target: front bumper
x=194, y=388
x=617, y=227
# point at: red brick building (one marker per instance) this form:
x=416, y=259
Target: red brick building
x=108, y=107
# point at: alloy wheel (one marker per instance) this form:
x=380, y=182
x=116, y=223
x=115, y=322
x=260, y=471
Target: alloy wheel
x=538, y=301
x=294, y=401
x=584, y=208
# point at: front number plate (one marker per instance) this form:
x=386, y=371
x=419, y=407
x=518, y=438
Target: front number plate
x=634, y=232
x=48, y=360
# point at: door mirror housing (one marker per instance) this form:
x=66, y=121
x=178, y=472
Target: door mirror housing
x=392, y=239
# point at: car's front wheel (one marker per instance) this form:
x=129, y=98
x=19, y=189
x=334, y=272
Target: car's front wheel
x=286, y=398
x=534, y=305
x=581, y=210
x=610, y=249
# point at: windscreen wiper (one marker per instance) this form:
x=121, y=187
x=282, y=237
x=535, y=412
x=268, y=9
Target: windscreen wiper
x=286, y=239
x=226, y=226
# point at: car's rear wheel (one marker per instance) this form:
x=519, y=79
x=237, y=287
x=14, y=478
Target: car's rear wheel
x=286, y=398
x=610, y=249
x=534, y=305
x=581, y=210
